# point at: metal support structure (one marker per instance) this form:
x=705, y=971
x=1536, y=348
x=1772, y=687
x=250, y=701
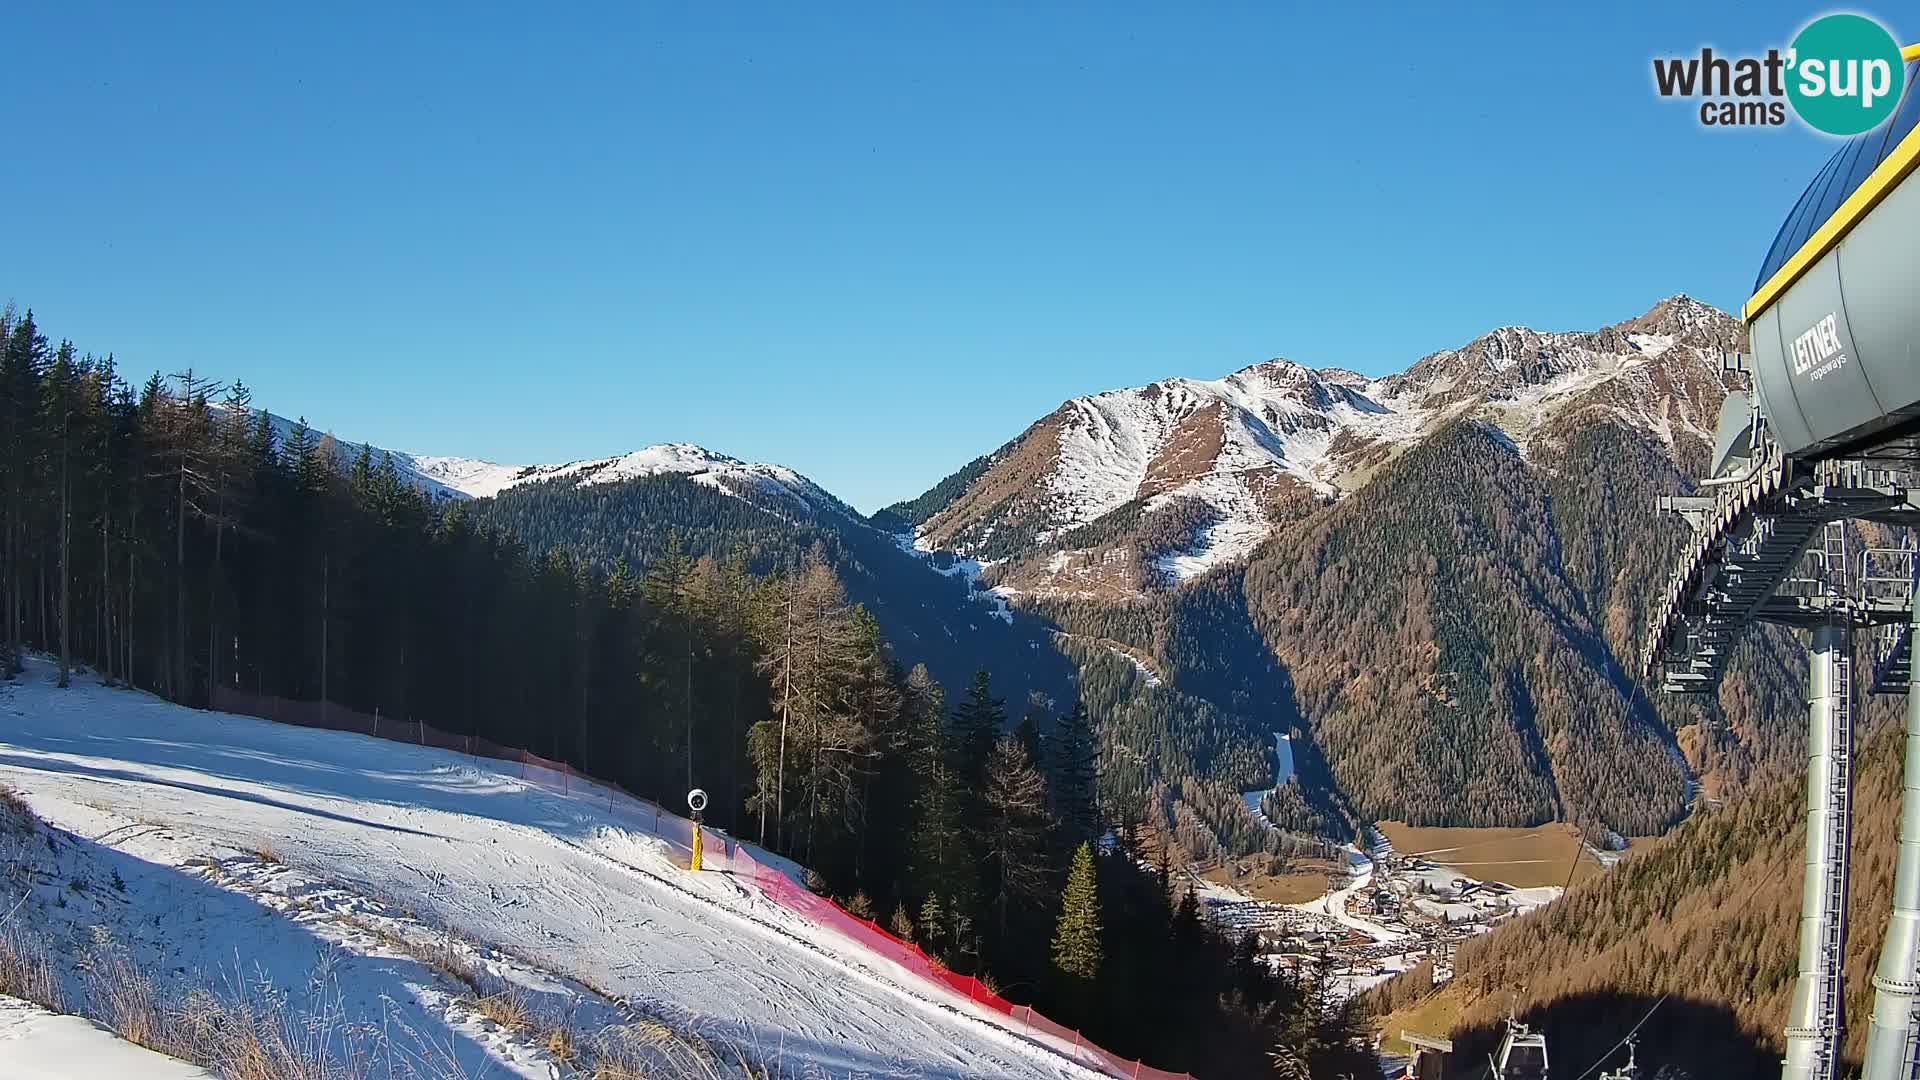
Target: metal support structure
x=1893, y=1037
x=1815, y=1021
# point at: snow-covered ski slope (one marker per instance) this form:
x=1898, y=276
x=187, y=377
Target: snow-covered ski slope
x=574, y=885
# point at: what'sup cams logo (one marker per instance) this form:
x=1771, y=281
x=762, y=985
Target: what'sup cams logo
x=1842, y=75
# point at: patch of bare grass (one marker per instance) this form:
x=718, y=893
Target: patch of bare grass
x=15, y=815
x=508, y=1008
x=26, y=972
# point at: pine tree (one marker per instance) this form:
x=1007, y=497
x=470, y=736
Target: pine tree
x=668, y=587
x=62, y=399
x=976, y=726
x=1027, y=734
x=942, y=861
x=1077, y=949
x=1073, y=778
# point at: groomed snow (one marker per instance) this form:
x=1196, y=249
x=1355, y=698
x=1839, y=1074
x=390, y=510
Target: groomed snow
x=1283, y=770
x=577, y=889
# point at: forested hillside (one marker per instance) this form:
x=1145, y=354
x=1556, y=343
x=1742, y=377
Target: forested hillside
x=1176, y=758
x=1708, y=918
x=166, y=538
x=930, y=618
x=1452, y=568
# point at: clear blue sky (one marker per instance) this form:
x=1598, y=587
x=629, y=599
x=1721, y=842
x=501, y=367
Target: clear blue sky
x=867, y=242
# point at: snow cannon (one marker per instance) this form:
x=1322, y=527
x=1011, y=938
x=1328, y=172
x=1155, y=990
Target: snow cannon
x=1833, y=321
x=696, y=802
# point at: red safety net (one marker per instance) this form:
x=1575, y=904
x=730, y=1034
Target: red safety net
x=719, y=853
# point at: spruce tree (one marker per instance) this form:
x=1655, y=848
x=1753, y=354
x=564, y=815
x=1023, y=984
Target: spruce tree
x=942, y=861
x=976, y=726
x=1073, y=778
x=1077, y=950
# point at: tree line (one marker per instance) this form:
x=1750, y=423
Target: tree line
x=170, y=536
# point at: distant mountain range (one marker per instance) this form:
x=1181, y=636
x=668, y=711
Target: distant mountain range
x=1230, y=458
x=1431, y=579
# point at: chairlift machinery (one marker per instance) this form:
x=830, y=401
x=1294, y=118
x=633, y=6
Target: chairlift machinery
x=1830, y=435
x=1522, y=1055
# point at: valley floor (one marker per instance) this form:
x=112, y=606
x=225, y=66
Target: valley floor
x=264, y=853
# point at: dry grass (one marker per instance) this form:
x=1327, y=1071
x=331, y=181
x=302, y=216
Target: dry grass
x=249, y=1031
x=1523, y=858
x=122, y=996
x=508, y=1008
x=26, y=972
x=15, y=815
x=252, y=1030
x=561, y=1044
x=1436, y=1014
x=443, y=954
x=1307, y=880
x=648, y=1050
x=266, y=854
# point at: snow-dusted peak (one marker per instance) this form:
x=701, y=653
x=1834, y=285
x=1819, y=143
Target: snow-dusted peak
x=470, y=477
x=1222, y=460
x=445, y=476
x=752, y=481
x=1682, y=318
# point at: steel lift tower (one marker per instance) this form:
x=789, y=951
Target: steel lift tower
x=1831, y=436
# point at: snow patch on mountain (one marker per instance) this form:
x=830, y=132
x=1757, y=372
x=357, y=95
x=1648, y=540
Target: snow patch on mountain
x=947, y=564
x=1221, y=544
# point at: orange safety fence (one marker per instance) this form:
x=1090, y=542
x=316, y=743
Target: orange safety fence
x=723, y=853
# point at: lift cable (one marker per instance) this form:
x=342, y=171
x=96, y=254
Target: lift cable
x=1631, y=1032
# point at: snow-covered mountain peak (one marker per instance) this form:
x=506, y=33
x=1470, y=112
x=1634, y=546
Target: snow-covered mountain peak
x=752, y=481
x=1219, y=461
x=445, y=476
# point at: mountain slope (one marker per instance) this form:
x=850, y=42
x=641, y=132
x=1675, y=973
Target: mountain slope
x=1239, y=455
x=224, y=824
x=1685, y=919
x=1428, y=581
x=928, y=607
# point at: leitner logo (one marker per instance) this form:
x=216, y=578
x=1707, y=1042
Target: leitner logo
x=1817, y=352
x=1842, y=75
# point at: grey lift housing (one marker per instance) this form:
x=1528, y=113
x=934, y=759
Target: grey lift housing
x=1834, y=355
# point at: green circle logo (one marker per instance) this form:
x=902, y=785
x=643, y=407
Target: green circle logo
x=1846, y=74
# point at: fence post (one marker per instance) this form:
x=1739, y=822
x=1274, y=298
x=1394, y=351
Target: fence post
x=1076, y=1040
x=1136, y=1070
